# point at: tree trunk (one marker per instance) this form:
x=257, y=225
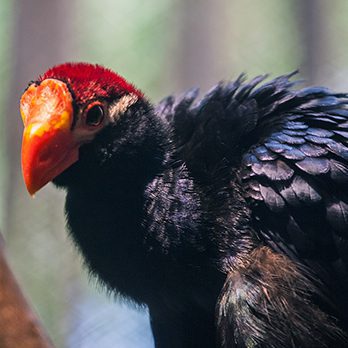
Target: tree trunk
x=19, y=326
x=40, y=39
x=201, y=49
x=42, y=36
x=313, y=24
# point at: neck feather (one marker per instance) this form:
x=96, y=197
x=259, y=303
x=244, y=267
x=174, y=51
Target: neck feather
x=127, y=153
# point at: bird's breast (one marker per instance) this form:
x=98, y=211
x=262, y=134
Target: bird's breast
x=109, y=235
x=142, y=248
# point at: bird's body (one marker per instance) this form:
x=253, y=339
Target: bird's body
x=227, y=216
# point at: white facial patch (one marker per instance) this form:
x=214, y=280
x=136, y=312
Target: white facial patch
x=85, y=134
x=120, y=106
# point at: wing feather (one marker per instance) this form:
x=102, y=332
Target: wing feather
x=289, y=151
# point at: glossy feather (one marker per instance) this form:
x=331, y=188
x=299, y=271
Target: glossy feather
x=227, y=215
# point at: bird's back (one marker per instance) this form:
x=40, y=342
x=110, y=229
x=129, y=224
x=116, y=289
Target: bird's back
x=278, y=158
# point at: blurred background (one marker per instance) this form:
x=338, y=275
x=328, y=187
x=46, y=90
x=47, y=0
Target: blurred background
x=162, y=46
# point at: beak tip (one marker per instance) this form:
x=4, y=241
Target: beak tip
x=33, y=186
x=30, y=184
x=31, y=190
x=32, y=193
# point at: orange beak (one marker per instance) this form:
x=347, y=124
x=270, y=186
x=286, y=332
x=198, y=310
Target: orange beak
x=48, y=146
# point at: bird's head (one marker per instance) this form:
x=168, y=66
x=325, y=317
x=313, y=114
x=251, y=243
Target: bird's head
x=65, y=109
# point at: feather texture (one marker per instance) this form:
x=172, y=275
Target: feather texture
x=288, y=150
x=223, y=213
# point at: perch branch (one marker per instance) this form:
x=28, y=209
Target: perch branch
x=19, y=325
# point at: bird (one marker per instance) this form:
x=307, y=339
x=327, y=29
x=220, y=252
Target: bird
x=225, y=214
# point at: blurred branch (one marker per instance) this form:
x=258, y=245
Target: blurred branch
x=19, y=326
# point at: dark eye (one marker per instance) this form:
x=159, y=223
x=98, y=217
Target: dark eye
x=94, y=115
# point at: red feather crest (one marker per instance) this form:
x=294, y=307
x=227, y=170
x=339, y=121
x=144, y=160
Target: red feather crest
x=91, y=81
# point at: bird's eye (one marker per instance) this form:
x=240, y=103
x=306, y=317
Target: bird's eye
x=94, y=114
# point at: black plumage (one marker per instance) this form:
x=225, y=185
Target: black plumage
x=226, y=215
